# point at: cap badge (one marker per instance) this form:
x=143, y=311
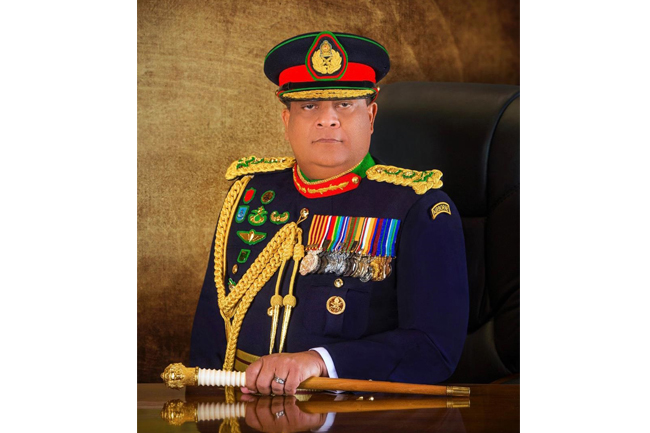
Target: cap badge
x=326, y=59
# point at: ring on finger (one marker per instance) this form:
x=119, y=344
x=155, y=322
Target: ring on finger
x=279, y=380
x=279, y=414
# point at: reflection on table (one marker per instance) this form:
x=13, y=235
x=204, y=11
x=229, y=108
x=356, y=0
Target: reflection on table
x=490, y=408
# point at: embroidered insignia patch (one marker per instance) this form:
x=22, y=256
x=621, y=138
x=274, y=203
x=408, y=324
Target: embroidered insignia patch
x=249, y=194
x=251, y=237
x=268, y=197
x=243, y=255
x=279, y=218
x=258, y=216
x=326, y=59
x=241, y=213
x=439, y=208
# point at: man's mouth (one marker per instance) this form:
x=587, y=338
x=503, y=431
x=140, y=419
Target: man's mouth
x=326, y=140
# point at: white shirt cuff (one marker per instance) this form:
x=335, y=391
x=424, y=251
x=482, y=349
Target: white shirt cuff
x=329, y=420
x=331, y=370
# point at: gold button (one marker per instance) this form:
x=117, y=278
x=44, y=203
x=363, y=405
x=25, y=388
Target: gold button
x=335, y=305
x=235, y=268
x=338, y=283
x=355, y=180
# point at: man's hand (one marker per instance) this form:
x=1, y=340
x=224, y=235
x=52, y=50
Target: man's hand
x=293, y=368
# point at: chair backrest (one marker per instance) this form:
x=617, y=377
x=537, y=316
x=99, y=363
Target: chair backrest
x=471, y=133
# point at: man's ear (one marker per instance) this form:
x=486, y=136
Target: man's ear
x=372, y=114
x=285, y=119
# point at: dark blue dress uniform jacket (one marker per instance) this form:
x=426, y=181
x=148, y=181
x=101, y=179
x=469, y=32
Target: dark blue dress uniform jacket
x=409, y=327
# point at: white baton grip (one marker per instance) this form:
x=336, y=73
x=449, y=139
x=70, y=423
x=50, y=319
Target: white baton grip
x=178, y=376
x=209, y=377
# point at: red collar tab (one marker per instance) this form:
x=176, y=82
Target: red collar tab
x=329, y=187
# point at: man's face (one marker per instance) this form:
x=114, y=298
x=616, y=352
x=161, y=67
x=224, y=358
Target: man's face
x=329, y=134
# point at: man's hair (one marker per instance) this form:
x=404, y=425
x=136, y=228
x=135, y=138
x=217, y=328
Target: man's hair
x=288, y=103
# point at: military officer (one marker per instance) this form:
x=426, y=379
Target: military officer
x=328, y=263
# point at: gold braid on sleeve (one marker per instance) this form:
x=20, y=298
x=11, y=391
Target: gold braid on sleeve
x=233, y=307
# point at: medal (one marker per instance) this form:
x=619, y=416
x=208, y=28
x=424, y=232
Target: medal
x=323, y=263
x=387, y=267
x=376, y=269
x=352, y=262
x=309, y=263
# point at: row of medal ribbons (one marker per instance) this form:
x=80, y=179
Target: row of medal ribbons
x=357, y=247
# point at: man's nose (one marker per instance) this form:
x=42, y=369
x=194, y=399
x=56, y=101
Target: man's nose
x=328, y=117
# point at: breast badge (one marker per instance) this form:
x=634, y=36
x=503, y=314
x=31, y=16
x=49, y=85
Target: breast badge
x=241, y=213
x=258, y=216
x=279, y=218
x=251, y=237
x=268, y=197
x=335, y=305
x=439, y=208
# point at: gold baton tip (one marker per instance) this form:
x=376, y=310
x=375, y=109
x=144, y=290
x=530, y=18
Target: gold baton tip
x=177, y=376
x=458, y=391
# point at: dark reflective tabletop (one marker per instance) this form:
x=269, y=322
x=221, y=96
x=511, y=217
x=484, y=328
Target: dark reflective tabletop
x=489, y=408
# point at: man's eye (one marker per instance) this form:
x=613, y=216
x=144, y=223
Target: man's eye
x=309, y=106
x=345, y=104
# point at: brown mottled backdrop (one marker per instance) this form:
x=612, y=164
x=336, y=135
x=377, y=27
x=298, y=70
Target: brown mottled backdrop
x=203, y=101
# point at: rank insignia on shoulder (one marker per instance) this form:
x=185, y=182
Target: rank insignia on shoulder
x=420, y=181
x=253, y=164
x=439, y=208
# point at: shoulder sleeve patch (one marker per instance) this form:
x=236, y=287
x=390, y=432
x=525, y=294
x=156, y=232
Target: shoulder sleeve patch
x=253, y=164
x=420, y=181
x=438, y=208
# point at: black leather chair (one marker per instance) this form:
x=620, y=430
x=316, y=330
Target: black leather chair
x=471, y=133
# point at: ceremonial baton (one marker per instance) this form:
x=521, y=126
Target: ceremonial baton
x=178, y=376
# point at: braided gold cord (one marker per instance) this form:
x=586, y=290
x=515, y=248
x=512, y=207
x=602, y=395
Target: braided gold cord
x=233, y=307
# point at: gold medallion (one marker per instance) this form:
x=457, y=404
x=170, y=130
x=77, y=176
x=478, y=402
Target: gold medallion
x=439, y=208
x=335, y=305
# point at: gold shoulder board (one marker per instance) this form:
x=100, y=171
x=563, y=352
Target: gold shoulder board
x=253, y=164
x=420, y=181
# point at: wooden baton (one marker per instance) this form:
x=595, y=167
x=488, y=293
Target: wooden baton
x=177, y=376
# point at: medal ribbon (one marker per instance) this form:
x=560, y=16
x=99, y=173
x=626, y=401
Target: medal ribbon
x=360, y=235
x=312, y=231
x=348, y=242
x=390, y=245
x=327, y=231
